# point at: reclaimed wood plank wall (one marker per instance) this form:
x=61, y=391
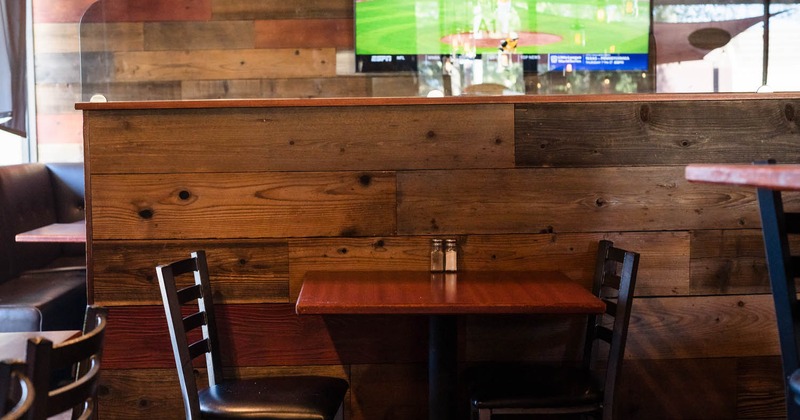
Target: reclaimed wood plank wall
x=272, y=192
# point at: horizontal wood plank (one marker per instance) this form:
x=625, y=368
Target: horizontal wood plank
x=702, y=326
x=357, y=138
x=278, y=9
x=658, y=133
x=241, y=271
x=563, y=200
x=141, y=66
x=147, y=10
x=214, y=35
x=242, y=205
x=109, y=37
x=308, y=33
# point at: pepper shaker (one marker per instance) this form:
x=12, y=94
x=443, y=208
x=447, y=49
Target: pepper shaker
x=437, y=256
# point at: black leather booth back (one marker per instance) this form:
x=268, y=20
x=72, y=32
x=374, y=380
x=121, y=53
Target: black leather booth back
x=68, y=191
x=28, y=200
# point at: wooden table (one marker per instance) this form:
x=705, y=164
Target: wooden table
x=776, y=177
x=57, y=232
x=442, y=297
x=14, y=344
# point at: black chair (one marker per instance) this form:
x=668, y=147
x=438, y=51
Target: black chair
x=285, y=397
x=777, y=225
x=585, y=389
x=16, y=390
x=79, y=356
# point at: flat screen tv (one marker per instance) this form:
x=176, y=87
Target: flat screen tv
x=398, y=35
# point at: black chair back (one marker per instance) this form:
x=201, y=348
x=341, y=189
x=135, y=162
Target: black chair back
x=614, y=282
x=80, y=355
x=201, y=318
x=16, y=390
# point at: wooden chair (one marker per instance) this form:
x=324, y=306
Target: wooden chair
x=16, y=390
x=291, y=397
x=81, y=356
x=777, y=225
x=584, y=389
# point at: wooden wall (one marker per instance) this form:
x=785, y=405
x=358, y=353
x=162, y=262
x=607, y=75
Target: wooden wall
x=272, y=189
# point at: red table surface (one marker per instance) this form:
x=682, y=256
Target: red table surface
x=422, y=292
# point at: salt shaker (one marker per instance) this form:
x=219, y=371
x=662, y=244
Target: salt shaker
x=437, y=256
x=450, y=255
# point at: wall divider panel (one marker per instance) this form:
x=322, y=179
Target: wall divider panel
x=274, y=188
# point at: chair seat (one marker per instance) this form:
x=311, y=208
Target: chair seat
x=278, y=398
x=533, y=386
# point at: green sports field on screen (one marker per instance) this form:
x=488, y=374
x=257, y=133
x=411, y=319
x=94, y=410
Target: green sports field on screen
x=440, y=27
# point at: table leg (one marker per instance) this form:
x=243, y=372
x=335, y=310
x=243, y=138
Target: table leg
x=442, y=367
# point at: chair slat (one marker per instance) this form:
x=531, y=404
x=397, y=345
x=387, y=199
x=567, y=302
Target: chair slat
x=611, y=307
x=616, y=254
x=604, y=334
x=198, y=348
x=612, y=280
x=44, y=359
x=194, y=320
x=190, y=293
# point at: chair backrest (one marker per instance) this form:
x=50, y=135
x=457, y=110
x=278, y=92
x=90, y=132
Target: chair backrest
x=777, y=225
x=180, y=327
x=614, y=282
x=15, y=388
x=80, y=355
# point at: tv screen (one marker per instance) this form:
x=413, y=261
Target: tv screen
x=407, y=35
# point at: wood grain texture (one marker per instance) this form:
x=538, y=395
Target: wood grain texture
x=671, y=133
x=218, y=89
x=406, y=292
x=59, y=11
x=308, y=33
x=56, y=38
x=61, y=67
x=242, y=205
x=728, y=262
x=147, y=11
x=644, y=383
x=563, y=200
x=109, y=37
x=357, y=138
x=318, y=87
x=144, y=66
x=215, y=35
x=760, y=389
x=54, y=99
x=241, y=271
x=278, y=9
x=144, y=91
x=702, y=326
x=392, y=392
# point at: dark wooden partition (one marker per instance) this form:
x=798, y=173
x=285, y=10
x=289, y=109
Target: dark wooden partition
x=274, y=188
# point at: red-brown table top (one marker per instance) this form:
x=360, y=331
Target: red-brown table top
x=57, y=232
x=777, y=177
x=422, y=292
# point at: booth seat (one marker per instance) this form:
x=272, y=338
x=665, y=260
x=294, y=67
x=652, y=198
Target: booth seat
x=42, y=285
